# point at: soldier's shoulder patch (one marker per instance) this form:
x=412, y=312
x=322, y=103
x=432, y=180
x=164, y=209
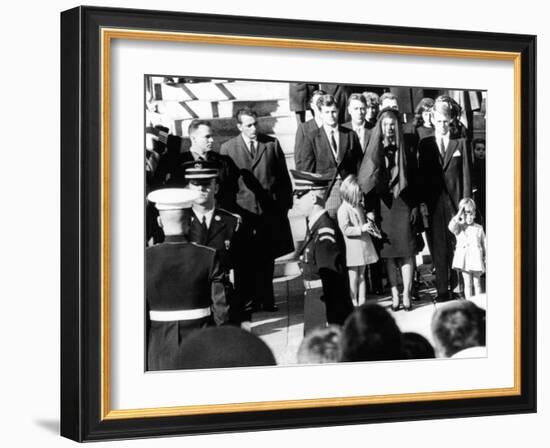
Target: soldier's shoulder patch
x=326, y=230
x=236, y=216
x=327, y=238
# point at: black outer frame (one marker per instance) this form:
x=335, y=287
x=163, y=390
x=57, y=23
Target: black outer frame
x=81, y=223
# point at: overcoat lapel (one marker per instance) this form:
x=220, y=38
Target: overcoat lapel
x=259, y=152
x=451, y=148
x=342, y=140
x=244, y=153
x=324, y=142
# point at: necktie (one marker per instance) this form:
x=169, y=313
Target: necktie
x=204, y=229
x=333, y=145
x=252, y=149
x=361, y=134
x=442, y=147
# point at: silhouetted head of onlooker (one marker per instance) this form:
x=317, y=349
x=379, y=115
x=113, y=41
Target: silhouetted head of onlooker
x=416, y=346
x=371, y=334
x=216, y=347
x=321, y=345
x=457, y=326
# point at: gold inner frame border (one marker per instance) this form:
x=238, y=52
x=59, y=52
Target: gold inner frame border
x=107, y=35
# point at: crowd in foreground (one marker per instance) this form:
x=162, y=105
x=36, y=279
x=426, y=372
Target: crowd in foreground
x=370, y=333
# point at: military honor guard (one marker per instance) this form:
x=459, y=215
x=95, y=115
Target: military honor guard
x=185, y=284
x=217, y=228
x=323, y=253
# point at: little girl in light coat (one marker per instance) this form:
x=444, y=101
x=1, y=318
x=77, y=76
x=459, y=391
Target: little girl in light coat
x=469, y=257
x=359, y=248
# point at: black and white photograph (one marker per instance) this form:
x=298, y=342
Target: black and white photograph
x=292, y=223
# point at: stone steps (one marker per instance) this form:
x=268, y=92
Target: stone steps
x=189, y=110
x=221, y=91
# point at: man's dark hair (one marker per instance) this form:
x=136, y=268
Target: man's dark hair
x=195, y=124
x=372, y=99
x=458, y=326
x=371, y=334
x=317, y=93
x=245, y=111
x=416, y=346
x=475, y=141
x=326, y=100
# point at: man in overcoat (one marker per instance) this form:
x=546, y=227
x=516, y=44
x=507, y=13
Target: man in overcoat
x=444, y=176
x=264, y=197
x=357, y=109
x=332, y=150
x=305, y=130
x=185, y=285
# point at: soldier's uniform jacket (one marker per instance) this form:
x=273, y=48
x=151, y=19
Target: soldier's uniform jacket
x=323, y=257
x=184, y=280
x=224, y=236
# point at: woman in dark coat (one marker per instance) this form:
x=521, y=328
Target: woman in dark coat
x=387, y=178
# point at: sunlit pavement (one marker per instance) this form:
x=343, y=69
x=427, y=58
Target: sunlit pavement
x=283, y=330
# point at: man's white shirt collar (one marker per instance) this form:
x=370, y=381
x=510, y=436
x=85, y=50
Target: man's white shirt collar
x=209, y=214
x=197, y=155
x=248, y=140
x=445, y=139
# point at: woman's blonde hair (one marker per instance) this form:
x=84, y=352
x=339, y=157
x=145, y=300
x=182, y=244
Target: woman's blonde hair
x=350, y=190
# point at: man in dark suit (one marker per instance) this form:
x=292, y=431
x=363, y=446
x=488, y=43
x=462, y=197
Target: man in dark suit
x=185, y=285
x=444, y=168
x=264, y=198
x=332, y=150
x=304, y=131
x=202, y=141
x=357, y=109
x=323, y=253
x=217, y=228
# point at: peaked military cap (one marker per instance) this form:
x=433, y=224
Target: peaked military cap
x=173, y=198
x=201, y=170
x=305, y=181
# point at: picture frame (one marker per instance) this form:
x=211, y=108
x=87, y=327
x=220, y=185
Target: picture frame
x=86, y=210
